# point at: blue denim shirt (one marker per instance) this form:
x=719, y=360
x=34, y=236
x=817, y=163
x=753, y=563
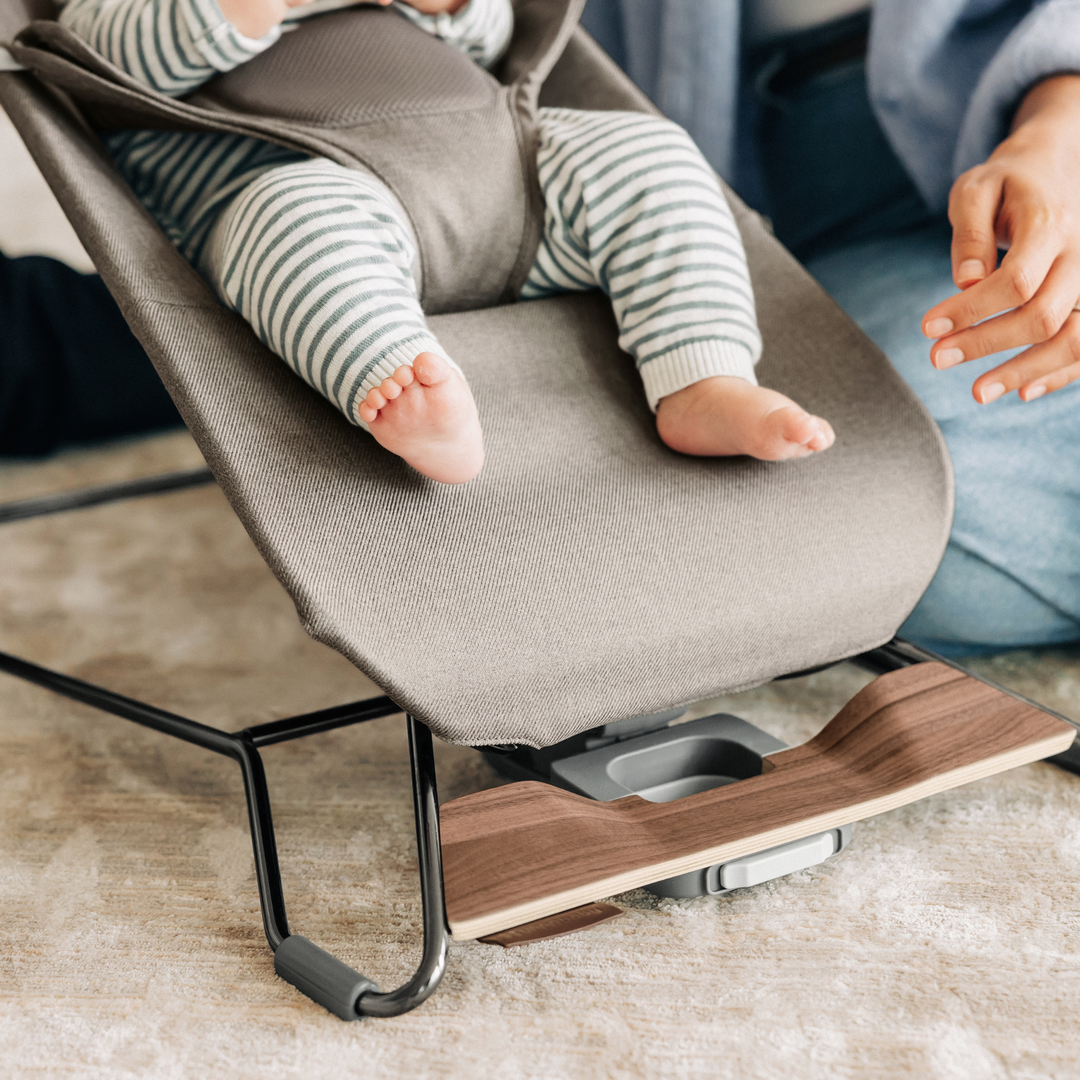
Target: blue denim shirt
x=945, y=76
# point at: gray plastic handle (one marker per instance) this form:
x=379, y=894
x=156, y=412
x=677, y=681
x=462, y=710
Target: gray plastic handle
x=324, y=978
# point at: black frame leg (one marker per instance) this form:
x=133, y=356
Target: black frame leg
x=325, y=979
x=429, y=853
x=63, y=501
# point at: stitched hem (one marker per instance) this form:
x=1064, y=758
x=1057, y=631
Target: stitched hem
x=219, y=43
x=388, y=364
x=689, y=364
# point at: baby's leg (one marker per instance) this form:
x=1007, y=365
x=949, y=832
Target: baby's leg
x=632, y=206
x=315, y=258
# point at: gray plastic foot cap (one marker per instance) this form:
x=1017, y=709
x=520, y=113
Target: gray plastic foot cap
x=324, y=978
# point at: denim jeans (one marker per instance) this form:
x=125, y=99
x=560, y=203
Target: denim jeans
x=1011, y=574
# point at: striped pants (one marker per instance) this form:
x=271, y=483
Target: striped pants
x=318, y=259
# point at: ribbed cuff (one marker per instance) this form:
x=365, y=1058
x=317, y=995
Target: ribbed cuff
x=688, y=364
x=217, y=41
x=386, y=366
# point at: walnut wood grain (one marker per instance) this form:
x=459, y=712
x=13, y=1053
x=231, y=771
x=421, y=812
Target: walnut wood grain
x=517, y=853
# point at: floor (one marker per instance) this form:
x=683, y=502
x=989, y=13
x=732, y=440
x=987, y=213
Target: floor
x=942, y=943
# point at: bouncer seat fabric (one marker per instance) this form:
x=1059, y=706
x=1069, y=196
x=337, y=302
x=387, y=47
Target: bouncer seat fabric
x=589, y=573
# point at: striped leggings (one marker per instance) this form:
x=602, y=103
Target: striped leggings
x=318, y=259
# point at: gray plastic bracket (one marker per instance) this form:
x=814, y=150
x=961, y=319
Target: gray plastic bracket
x=631, y=727
x=710, y=880
x=324, y=978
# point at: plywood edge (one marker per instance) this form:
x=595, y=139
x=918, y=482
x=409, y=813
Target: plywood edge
x=493, y=922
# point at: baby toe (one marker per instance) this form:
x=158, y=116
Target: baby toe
x=822, y=437
x=796, y=425
x=430, y=369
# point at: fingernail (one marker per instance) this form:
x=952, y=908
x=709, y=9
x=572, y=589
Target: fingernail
x=946, y=358
x=970, y=270
x=936, y=328
x=1032, y=392
x=992, y=392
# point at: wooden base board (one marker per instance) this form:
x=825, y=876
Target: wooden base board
x=521, y=852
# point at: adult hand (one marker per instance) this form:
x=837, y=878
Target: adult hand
x=1026, y=197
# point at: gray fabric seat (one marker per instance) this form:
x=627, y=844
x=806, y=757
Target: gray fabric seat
x=589, y=573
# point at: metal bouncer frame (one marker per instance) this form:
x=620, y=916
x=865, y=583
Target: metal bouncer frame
x=327, y=980
x=316, y=973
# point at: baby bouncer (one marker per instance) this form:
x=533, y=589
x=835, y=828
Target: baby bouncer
x=561, y=610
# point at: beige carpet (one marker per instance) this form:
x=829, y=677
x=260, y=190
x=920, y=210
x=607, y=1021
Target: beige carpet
x=942, y=943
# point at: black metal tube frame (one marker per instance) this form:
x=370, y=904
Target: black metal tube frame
x=81, y=498
x=243, y=747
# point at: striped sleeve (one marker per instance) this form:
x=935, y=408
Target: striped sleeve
x=317, y=259
x=632, y=206
x=481, y=29
x=171, y=45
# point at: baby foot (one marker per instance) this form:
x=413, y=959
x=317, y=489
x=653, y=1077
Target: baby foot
x=726, y=415
x=425, y=414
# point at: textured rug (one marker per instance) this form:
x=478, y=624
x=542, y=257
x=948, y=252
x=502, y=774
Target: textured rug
x=942, y=943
